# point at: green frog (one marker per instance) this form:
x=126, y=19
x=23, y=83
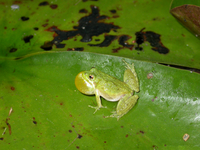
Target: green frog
x=100, y=84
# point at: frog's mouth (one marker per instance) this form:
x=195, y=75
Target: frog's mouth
x=83, y=85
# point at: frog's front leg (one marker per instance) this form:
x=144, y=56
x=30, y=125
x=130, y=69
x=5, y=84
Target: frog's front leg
x=98, y=99
x=124, y=105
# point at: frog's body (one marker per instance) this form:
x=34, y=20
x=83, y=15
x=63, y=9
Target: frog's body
x=110, y=88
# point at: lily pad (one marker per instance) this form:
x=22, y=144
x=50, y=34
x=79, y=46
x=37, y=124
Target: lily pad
x=106, y=27
x=48, y=112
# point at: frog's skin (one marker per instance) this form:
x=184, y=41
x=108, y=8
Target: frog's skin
x=110, y=88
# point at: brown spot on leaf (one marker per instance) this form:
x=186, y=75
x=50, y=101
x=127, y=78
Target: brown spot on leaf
x=154, y=146
x=107, y=41
x=27, y=38
x=154, y=40
x=35, y=122
x=83, y=11
x=116, y=16
x=17, y=58
x=53, y=6
x=80, y=136
x=23, y=18
x=36, y=28
x=115, y=50
x=44, y=25
x=47, y=46
x=17, y=2
x=141, y=131
x=122, y=41
x=45, y=3
x=87, y=28
x=12, y=50
x=113, y=11
x=12, y=88
x=9, y=126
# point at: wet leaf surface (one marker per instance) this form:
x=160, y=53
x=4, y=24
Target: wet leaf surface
x=40, y=105
x=48, y=112
x=107, y=27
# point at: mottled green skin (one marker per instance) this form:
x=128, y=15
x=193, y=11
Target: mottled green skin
x=101, y=84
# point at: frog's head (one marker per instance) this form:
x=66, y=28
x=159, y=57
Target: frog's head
x=84, y=82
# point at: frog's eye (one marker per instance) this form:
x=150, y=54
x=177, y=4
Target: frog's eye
x=91, y=77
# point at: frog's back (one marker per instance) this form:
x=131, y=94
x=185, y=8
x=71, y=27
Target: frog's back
x=110, y=87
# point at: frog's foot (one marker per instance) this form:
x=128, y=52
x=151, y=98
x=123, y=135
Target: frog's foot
x=115, y=115
x=96, y=108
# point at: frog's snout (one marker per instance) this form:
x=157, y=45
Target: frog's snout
x=82, y=85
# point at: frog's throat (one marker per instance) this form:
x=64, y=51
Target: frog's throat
x=83, y=85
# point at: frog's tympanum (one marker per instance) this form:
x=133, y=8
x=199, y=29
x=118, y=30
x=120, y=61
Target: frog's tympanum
x=110, y=88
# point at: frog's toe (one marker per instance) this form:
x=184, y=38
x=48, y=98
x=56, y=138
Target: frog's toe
x=114, y=112
x=96, y=108
x=114, y=115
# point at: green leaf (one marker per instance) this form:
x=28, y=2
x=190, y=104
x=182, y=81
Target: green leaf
x=40, y=105
x=49, y=112
x=41, y=27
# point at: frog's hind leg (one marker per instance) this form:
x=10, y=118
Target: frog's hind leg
x=124, y=106
x=130, y=77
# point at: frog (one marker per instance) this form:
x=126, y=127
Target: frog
x=100, y=84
